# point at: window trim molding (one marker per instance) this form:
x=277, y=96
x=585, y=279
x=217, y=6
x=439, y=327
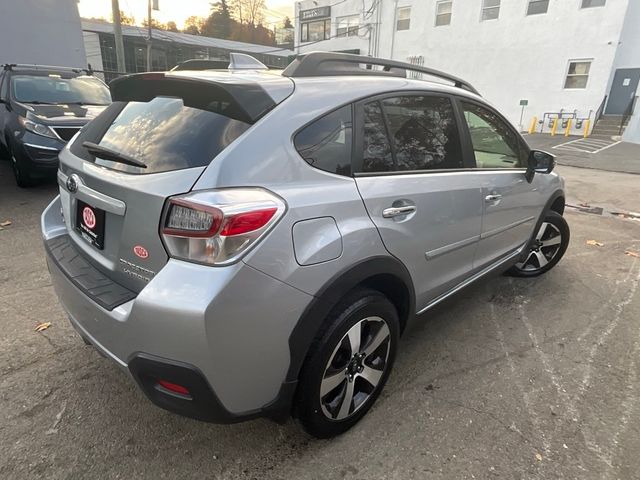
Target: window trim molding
x=435, y=21
x=483, y=8
x=398, y=8
x=566, y=73
x=582, y=7
x=526, y=10
x=346, y=35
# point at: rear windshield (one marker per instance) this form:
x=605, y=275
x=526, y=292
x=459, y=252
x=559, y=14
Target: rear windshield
x=163, y=134
x=54, y=89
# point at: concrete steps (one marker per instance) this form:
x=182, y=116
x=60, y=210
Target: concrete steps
x=609, y=126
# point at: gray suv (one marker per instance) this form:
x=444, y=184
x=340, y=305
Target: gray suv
x=253, y=243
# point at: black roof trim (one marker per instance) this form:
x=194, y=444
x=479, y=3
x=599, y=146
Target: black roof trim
x=320, y=64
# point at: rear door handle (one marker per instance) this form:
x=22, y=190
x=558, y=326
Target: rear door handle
x=494, y=197
x=397, y=211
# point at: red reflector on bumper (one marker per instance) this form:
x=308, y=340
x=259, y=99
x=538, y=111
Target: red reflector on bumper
x=174, y=387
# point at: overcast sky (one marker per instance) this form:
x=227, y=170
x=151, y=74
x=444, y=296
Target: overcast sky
x=176, y=10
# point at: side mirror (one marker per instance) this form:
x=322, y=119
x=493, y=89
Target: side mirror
x=539, y=162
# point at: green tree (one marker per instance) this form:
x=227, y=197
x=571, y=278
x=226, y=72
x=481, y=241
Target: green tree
x=219, y=23
x=171, y=26
x=287, y=23
x=193, y=25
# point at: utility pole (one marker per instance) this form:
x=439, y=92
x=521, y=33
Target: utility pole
x=117, y=32
x=149, y=39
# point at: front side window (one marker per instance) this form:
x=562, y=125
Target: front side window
x=347, y=26
x=376, y=152
x=593, y=3
x=490, y=9
x=536, y=7
x=54, y=89
x=578, y=74
x=424, y=133
x=3, y=86
x=494, y=143
x=403, y=21
x=443, y=12
x=315, y=31
x=326, y=143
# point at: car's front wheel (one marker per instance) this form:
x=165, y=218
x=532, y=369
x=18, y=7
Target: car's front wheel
x=20, y=172
x=547, y=247
x=348, y=364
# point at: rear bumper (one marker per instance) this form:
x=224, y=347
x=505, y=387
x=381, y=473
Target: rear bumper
x=213, y=328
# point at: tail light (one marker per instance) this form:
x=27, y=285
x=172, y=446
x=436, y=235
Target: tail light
x=217, y=227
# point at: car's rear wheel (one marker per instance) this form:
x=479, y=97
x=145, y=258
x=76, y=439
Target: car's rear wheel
x=547, y=247
x=348, y=364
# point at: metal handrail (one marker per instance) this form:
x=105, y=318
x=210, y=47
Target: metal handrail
x=627, y=114
x=600, y=110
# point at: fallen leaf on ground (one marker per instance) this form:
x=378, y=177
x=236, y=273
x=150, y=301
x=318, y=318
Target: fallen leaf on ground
x=42, y=326
x=632, y=254
x=595, y=243
x=6, y=223
x=538, y=457
x=583, y=204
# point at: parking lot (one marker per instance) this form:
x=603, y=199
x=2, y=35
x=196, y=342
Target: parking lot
x=512, y=378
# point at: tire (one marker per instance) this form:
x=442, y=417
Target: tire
x=20, y=172
x=331, y=371
x=549, y=244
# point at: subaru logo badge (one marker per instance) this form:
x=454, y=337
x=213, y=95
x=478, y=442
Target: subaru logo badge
x=72, y=183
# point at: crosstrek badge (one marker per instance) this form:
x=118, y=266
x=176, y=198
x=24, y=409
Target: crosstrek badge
x=140, y=251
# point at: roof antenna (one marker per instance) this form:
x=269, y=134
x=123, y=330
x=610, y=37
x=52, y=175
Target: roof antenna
x=242, y=61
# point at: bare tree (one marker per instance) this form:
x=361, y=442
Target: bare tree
x=250, y=12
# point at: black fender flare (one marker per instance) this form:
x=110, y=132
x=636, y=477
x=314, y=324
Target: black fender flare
x=552, y=199
x=330, y=294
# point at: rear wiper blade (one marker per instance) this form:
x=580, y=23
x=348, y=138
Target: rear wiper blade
x=108, y=154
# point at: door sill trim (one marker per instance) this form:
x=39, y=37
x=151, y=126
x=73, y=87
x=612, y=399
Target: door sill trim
x=473, y=278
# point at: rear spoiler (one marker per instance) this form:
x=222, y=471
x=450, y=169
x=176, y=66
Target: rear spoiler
x=244, y=101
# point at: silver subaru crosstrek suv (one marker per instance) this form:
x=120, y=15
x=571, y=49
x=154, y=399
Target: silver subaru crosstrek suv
x=253, y=243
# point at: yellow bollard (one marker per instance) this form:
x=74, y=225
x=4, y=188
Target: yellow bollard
x=554, y=127
x=568, y=129
x=587, y=124
x=532, y=128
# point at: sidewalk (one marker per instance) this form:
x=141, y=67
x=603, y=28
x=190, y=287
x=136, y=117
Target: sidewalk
x=595, y=152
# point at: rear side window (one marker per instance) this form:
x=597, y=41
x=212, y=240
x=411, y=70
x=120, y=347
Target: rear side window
x=424, y=133
x=163, y=133
x=326, y=143
x=411, y=132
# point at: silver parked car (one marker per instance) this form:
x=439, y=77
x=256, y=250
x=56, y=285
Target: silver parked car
x=251, y=243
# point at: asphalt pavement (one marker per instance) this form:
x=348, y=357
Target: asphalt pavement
x=512, y=378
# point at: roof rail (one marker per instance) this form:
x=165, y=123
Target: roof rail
x=33, y=66
x=318, y=64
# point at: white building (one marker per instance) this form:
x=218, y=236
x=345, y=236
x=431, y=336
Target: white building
x=554, y=55
x=46, y=32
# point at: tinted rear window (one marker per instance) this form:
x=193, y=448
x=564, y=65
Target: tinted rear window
x=162, y=133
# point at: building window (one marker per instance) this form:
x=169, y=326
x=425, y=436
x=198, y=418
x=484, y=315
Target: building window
x=403, y=18
x=537, y=7
x=315, y=31
x=443, y=12
x=490, y=9
x=593, y=3
x=578, y=74
x=347, y=26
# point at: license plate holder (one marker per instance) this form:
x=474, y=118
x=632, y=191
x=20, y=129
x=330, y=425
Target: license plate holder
x=90, y=223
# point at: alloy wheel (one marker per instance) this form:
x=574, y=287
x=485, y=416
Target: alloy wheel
x=545, y=247
x=355, y=368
